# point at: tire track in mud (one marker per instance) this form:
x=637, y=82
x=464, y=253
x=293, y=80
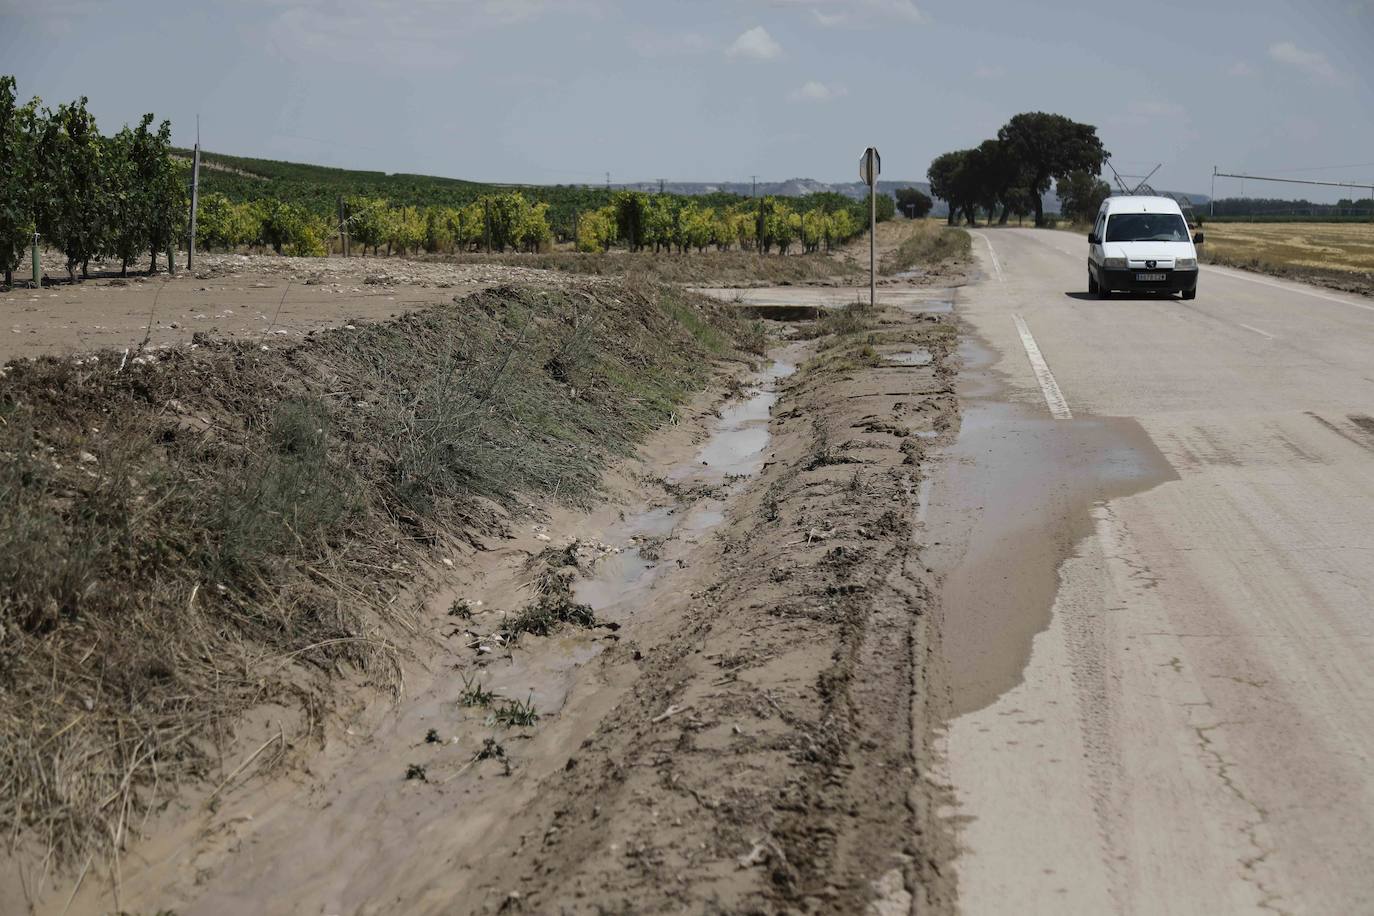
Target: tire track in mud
x=763, y=757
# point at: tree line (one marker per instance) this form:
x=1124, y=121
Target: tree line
x=1346, y=207
x=1011, y=173
x=87, y=195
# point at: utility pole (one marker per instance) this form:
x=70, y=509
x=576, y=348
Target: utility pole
x=608, y=181
x=195, y=201
x=1212, y=201
x=660, y=186
x=755, y=191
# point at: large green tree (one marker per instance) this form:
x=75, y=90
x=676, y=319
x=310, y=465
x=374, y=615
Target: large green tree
x=957, y=178
x=913, y=202
x=1048, y=147
x=944, y=175
x=1081, y=194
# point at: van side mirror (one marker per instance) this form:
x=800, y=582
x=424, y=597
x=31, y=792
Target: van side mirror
x=1093, y=239
x=1198, y=238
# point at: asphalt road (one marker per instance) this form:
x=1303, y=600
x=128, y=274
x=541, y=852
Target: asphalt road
x=1183, y=721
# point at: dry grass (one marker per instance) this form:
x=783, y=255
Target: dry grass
x=187, y=538
x=1330, y=247
x=929, y=244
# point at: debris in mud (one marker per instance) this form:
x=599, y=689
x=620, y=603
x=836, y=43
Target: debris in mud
x=432, y=737
x=515, y=714
x=492, y=750
x=475, y=695
x=554, y=605
x=417, y=771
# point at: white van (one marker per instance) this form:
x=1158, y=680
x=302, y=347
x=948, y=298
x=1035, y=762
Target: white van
x=1142, y=243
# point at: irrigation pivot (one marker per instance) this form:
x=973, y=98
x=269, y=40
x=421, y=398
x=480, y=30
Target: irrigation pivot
x=870, y=165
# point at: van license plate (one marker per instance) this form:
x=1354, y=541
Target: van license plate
x=1145, y=278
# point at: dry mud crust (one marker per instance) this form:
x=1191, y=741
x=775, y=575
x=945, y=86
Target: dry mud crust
x=264, y=299
x=727, y=268
x=190, y=535
x=762, y=757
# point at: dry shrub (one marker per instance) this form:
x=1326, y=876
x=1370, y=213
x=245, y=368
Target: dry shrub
x=929, y=244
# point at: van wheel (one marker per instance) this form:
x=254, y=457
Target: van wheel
x=1103, y=292
x=1190, y=294
x=1092, y=284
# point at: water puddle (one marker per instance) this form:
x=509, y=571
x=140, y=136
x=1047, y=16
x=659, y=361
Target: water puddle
x=658, y=537
x=1012, y=498
x=737, y=443
x=917, y=357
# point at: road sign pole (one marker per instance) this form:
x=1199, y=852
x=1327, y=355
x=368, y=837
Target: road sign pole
x=872, y=243
x=869, y=167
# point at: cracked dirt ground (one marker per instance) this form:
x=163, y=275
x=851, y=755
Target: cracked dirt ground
x=1186, y=725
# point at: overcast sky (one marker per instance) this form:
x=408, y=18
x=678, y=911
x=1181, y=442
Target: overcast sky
x=561, y=91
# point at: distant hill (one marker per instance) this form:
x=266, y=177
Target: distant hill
x=318, y=187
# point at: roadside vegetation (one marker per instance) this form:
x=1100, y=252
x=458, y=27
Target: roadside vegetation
x=929, y=243
x=1335, y=254
x=188, y=535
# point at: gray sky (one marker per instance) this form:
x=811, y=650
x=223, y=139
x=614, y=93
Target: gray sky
x=560, y=91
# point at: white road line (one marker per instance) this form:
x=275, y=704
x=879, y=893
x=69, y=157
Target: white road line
x=1257, y=331
x=1054, y=398
x=996, y=264
x=1241, y=275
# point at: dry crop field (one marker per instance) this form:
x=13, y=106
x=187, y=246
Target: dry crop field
x=1335, y=254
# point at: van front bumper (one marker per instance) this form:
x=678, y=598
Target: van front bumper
x=1175, y=281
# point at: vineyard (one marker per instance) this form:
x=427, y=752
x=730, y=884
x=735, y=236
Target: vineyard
x=512, y=221
x=87, y=195
x=115, y=198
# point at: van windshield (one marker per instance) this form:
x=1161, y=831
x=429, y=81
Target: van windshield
x=1146, y=227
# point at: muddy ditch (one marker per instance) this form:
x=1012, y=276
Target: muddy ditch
x=689, y=681
x=760, y=738
x=191, y=535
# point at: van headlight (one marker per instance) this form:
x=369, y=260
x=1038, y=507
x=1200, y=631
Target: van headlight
x=1113, y=262
x=1185, y=263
